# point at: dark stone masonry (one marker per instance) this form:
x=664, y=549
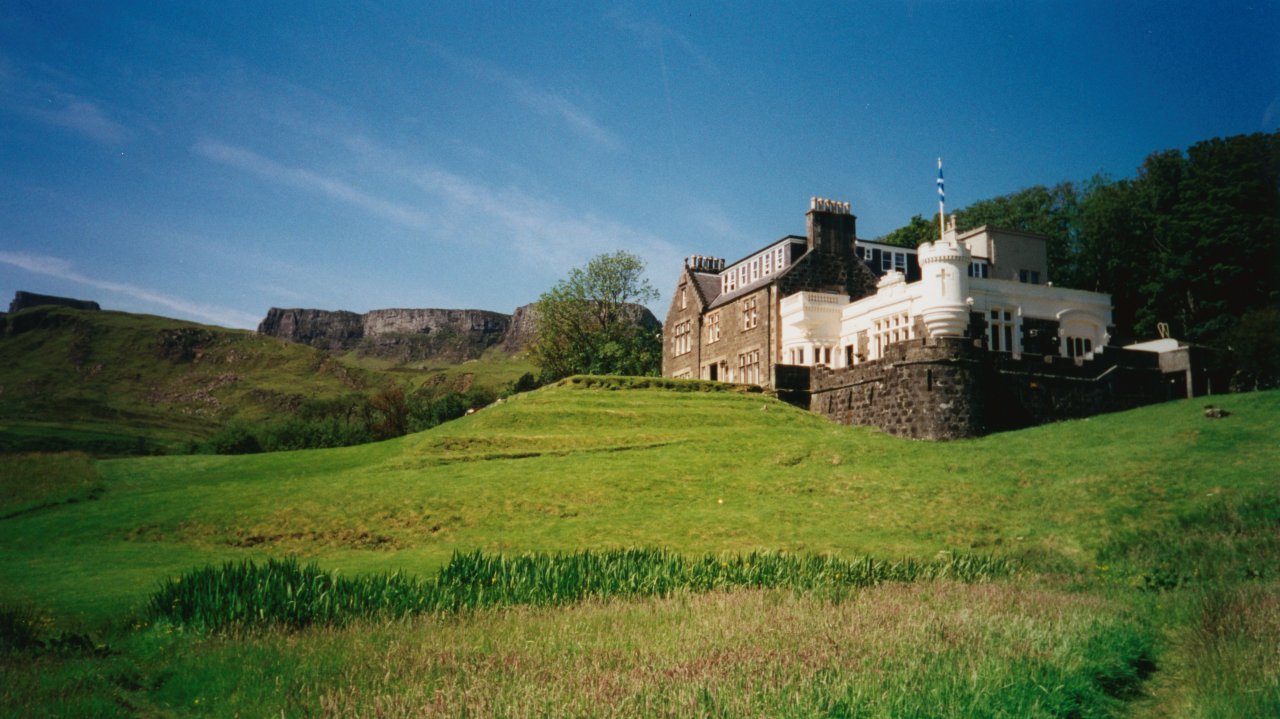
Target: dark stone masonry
x=949, y=388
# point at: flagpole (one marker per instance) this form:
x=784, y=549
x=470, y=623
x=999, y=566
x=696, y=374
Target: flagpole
x=942, y=230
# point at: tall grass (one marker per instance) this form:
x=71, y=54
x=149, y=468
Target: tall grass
x=930, y=649
x=286, y=593
x=1225, y=542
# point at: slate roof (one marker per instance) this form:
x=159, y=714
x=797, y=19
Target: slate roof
x=747, y=289
x=707, y=285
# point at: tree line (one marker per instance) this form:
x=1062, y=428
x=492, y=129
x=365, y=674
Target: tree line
x=1192, y=241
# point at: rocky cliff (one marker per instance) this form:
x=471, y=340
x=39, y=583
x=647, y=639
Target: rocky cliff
x=331, y=331
x=524, y=322
x=400, y=334
x=23, y=300
x=412, y=334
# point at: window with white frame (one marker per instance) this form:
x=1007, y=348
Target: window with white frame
x=779, y=258
x=755, y=269
x=750, y=313
x=900, y=262
x=749, y=367
x=766, y=266
x=890, y=330
x=1001, y=322
x=681, y=338
x=979, y=269
x=713, y=327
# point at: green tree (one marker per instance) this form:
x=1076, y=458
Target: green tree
x=1048, y=211
x=592, y=322
x=915, y=233
x=390, y=412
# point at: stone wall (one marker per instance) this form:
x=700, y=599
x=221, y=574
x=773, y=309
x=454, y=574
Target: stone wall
x=951, y=388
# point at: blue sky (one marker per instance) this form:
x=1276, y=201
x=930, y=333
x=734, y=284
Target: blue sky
x=211, y=160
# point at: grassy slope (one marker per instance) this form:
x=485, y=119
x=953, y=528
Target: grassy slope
x=100, y=380
x=118, y=374
x=569, y=468
x=495, y=368
x=566, y=468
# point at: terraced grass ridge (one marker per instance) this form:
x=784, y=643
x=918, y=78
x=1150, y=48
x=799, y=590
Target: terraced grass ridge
x=1146, y=545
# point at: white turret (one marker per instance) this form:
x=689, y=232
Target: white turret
x=944, y=270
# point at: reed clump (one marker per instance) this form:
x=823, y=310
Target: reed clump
x=284, y=592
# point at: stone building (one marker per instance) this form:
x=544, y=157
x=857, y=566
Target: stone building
x=955, y=338
x=725, y=318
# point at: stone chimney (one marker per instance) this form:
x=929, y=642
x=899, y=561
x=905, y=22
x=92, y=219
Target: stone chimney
x=832, y=227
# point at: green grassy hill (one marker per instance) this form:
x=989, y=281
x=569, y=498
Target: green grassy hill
x=1153, y=523
x=118, y=383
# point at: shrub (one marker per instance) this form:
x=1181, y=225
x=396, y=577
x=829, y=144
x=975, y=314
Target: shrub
x=235, y=438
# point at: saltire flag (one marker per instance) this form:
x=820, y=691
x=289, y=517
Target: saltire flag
x=942, y=195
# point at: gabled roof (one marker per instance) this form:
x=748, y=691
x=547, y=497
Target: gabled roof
x=747, y=289
x=707, y=285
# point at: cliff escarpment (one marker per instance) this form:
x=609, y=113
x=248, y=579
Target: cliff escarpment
x=405, y=335
x=408, y=335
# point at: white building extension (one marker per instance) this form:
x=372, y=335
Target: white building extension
x=988, y=284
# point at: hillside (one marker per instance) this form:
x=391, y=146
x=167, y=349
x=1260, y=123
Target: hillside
x=1131, y=529
x=567, y=467
x=114, y=382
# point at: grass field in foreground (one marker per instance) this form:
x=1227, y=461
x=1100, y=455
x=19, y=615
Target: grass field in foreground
x=1158, y=516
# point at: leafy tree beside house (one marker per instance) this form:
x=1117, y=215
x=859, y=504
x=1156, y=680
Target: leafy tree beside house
x=591, y=322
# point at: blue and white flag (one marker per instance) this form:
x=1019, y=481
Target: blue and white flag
x=942, y=195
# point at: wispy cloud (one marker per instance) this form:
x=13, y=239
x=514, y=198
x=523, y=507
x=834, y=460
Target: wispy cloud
x=548, y=235
x=654, y=32
x=47, y=102
x=532, y=230
x=62, y=269
x=331, y=187
x=82, y=117
x=544, y=102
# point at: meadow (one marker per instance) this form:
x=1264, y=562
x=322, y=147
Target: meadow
x=1138, y=556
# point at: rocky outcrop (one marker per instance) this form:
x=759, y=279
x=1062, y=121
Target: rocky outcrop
x=399, y=334
x=23, y=300
x=410, y=335
x=481, y=323
x=332, y=331
x=524, y=323
x=413, y=334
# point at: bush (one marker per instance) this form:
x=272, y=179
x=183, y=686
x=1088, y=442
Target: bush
x=235, y=438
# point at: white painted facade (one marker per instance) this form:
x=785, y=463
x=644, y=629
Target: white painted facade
x=987, y=271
